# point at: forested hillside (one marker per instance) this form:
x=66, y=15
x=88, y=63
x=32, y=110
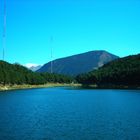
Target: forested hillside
x=124, y=71
x=17, y=74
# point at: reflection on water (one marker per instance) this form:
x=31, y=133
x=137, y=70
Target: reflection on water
x=61, y=114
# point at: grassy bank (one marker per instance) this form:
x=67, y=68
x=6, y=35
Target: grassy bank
x=14, y=87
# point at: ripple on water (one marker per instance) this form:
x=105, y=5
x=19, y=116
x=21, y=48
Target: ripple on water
x=61, y=114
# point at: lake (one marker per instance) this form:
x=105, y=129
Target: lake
x=69, y=114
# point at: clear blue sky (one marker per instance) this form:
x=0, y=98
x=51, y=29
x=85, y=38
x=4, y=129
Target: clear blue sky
x=76, y=26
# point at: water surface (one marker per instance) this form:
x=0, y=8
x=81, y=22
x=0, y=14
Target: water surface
x=64, y=114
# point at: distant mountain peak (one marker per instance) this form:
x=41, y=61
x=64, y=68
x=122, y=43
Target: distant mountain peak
x=32, y=66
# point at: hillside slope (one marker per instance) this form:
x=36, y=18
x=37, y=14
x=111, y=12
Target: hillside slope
x=15, y=74
x=80, y=63
x=124, y=71
x=18, y=74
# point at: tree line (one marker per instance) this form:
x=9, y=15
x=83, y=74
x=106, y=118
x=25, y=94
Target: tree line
x=121, y=72
x=18, y=74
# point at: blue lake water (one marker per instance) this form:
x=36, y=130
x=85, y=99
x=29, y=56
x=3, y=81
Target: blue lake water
x=70, y=114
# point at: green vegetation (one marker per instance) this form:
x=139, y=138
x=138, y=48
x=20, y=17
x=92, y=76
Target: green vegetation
x=15, y=74
x=56, y=78
x=121, y=72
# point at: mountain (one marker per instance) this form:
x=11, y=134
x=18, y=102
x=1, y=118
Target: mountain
x=81, y=63
x=121, y=72
x=35, y=68
x=32, y=66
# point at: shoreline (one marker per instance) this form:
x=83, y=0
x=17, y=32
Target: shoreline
x=18, y=87
x=78, y=86
x=123, y=87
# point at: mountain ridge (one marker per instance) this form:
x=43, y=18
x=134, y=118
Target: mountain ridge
x=80, y=63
